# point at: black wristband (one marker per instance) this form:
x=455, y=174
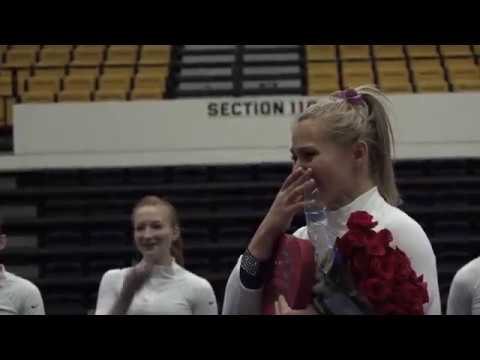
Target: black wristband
x=251, y=271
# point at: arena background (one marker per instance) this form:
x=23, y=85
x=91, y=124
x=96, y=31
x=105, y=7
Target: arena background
x=86, y=130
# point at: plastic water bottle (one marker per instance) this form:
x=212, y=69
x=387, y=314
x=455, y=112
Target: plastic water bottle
x=316, y=218
x=314, y=208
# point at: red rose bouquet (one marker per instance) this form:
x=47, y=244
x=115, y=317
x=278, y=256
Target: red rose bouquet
x=382, y=275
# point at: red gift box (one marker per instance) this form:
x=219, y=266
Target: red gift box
x=291, y=274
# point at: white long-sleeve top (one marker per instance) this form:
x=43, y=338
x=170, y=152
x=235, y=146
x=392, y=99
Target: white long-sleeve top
x=408, y=236
x=170, y=290
x=464, y=296
x=19, y=296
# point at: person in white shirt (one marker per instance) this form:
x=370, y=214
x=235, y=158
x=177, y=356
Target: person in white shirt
x=158, y=284
x=343, y=148
x=18, y=296
x=464, y=295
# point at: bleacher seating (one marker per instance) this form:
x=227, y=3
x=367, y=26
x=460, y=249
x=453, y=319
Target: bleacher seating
x=393, y=76
x=388, y=52
x=395, y=68
x=82, y=73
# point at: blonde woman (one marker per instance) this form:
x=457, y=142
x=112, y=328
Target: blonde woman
x=343, y=148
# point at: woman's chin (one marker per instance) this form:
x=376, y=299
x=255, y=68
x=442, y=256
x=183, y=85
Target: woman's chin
x=151, y=254
x=154, y=256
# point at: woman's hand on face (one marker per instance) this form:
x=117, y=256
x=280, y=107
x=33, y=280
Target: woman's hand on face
x=288, y=202
x=290, y=199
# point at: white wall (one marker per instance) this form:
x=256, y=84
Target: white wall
x=109, y=134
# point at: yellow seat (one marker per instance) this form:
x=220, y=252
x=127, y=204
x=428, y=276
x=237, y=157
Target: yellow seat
x=321, y=52
x=115, y=82
x=430, y=83
x=388, y=51
x=422, y=51
x=80, y=82
x=354, y=52
x=353, y=81
x=58, y=72
x=6, y=85
x=122, y=55
x=34, y=48
x=59, y=47
x=84, y=71
x=75, y=95
x=363, y=68
x=126, y=71
x=147, y=93
x=38, y=97
x=322, y=78
x=149, y=81
x=43, y=84
x=425, y=67
x=110, y=94
x=322, y=69
x=164, y=48
x=394, y=87
x=88, y=55
x=153, y=71
x=52, y=56
x=20, y=57
x=432, y=86
x=395, y=83
x=471, y=84
x=89, y=48
x=429, y=76
x=455, y=50
x=322, y=86
x=460, y=63
x=462, y=68
x=392, y=67
x=155, y=55
x=55, y=55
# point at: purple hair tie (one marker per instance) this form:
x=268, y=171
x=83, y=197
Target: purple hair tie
x=351, y=96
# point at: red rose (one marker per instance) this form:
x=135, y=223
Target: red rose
x=361, y=221
x=344, y=245
x=402, y=292
x=391, y=309
x=351, y=241
x=383, y=275
x=405, y=274
x=422, y=287
x=383, y=267
x=375, y=290
x=416, y=309
x=385, y=237
x=375, y=265
x=403, y=267
x=410, y=294
x=360, y=264
x=377, y=245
